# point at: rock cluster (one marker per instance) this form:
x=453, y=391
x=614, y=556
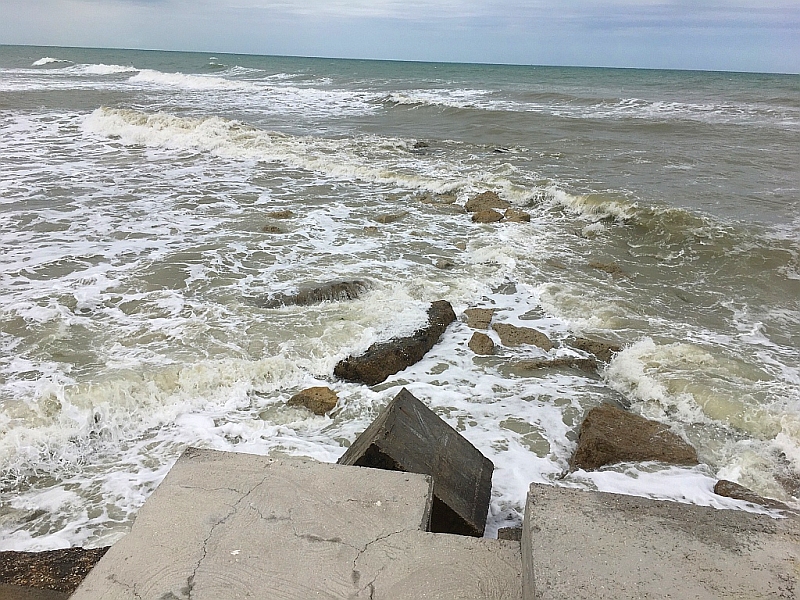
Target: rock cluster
x=488, y=207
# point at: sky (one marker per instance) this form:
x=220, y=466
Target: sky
x=729, y=35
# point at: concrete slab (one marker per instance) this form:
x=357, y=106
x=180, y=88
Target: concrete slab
x=223, y=526
x=579, y=544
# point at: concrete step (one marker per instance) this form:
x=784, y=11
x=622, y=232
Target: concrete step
x=227, y=525
x=599, y=546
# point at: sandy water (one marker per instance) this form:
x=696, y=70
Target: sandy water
x=139, y=202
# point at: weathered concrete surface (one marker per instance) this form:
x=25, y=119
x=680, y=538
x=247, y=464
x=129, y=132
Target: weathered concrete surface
x=578, y=544
x=226, y=525
x=409, y=436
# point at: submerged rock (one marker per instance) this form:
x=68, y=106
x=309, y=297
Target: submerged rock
x=604, y=351
x=610, y=435
x=729, y=489
x=480, y=343
x=387, y=358
x=479, y=318
x=386, y=218
x=571, y=362
x=511, y=335
x=272, y=229
x=280, y=214
x=486, y=201
x=517, y=216
x=333, y=291
x=318, y=400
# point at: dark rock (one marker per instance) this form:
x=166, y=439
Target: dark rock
x=480, y=343
x=58, y=570
x=419, y=145
x=510, y=335
x=570, y=362
x=333, y=291
x=610, y=435
x=318, y=400
x=408, y=436
x=486, y=201
x=512, y=534
x=486, y=216
x=444, y=263
x=479, y=318
x=604, y=351
x=387, y=358
x=272, y=229
x=517, y=216
x=729, y=489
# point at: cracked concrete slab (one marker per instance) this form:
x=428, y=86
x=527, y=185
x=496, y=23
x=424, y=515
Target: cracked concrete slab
x=578, y=544
x=226, y=525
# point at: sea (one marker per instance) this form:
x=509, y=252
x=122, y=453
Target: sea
x=152, y=204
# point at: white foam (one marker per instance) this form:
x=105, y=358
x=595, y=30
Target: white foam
x=188, y=82
x=48, y=61
x=101, y=69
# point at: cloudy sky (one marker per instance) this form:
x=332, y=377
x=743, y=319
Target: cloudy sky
x=746, y=35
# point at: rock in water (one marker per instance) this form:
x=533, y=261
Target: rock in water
x=486, y=216
x=517, y=216
x=729, y=489
x=610, y=435
x=332, y=291
x=387, y=358
x=486, y=201
x=604, y=351
x=511, y=335
x=318, y=400
x=479, y=318
x=480, y=343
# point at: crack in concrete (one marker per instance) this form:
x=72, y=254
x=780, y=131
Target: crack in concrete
x=190, y=583
x=357, y=574
x=131, y=587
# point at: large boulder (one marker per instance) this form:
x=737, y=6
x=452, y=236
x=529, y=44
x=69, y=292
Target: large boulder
x=514, y=215
x=331, y=291
x=486, y=201
x=318, y=400
x=511, y=335
x=387, y=358
x=610, y=435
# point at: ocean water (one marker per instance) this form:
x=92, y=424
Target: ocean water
x=140, y=196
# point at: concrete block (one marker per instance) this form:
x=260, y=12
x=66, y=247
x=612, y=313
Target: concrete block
x=592, y=545
x=408, y=436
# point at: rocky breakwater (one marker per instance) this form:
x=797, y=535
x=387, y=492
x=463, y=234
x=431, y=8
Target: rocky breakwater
x=387, y=358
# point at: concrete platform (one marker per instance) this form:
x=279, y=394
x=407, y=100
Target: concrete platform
x=224, y=525
x=579, y=544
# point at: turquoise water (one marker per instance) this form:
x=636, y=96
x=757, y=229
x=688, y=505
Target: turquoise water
x=138, y=199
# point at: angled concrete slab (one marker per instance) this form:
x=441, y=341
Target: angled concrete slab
x=578, y=544
x=225, y=525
